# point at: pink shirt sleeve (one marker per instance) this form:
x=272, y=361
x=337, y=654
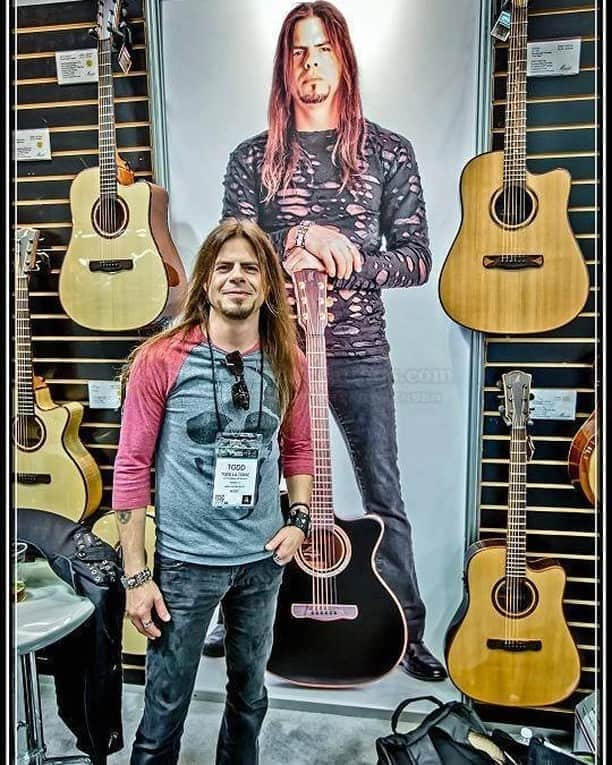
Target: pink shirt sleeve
x=296, y=435
x=153, y=374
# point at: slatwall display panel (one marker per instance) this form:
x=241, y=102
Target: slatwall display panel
x=562, y=131
x=63, y=352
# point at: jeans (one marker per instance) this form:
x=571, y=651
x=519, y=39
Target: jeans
x=191, y=593
x=361, y=400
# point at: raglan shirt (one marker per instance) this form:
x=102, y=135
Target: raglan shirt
x=384, y=204
x=169, y=417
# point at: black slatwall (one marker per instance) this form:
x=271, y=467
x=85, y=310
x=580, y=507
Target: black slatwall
x=562, y=131
x=66, y=354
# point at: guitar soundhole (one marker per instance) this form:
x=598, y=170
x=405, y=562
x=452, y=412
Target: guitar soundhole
x=28, y=432
x=325, y=553
x=110, y=217
x=515, y=598
x=514, y=206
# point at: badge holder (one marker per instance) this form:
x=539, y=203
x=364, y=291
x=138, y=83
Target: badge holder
x=236, y=468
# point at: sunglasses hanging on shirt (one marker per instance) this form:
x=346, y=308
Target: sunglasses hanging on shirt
x=240, y=392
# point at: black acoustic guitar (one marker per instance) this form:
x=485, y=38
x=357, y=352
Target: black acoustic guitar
x=337, y=622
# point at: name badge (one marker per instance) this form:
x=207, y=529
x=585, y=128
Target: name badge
x=236, y=465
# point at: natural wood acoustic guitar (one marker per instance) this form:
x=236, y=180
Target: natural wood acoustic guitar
x=509, y=643
x=52, y=469
x=583, y=458
x=121, y=270
x=337, y=622
x=515, y=266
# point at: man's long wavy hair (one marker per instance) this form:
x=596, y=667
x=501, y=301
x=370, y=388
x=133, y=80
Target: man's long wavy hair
x=276, y=326
x=282, y=148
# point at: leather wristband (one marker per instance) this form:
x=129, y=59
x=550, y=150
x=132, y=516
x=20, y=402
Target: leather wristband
x=299, y=519
x=140, y=577
x=300, y=235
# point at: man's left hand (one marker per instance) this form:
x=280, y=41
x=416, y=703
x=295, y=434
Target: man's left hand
x=286, y=543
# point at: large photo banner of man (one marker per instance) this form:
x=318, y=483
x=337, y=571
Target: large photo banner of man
x=342, y=129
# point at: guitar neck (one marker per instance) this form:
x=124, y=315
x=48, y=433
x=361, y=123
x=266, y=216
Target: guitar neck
x=517, y=505
x=106, y=122
x=516, y=108
x=23, y=341
x=322, y=512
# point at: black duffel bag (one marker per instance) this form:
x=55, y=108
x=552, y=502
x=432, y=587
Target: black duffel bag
x=440, y=739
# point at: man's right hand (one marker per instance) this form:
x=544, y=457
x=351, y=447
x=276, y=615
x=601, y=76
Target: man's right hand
x=334, y=250
x=140, y=605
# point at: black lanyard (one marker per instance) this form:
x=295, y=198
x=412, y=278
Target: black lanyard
x=214, y=382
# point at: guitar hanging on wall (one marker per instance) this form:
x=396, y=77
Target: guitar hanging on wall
x=515, y=266
x=583, y=458
x=509, y=643
x=52, y=469
x=337, y=622
x=121, y=270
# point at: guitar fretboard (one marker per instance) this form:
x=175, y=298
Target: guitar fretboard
x=23, y=341
x=517, y=505
x=322, y=512
x=106, y=123
x=516, y=109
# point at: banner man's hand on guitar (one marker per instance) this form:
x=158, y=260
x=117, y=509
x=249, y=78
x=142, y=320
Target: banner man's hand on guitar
x=286, y=543
x=332, y=249
x=141, y=603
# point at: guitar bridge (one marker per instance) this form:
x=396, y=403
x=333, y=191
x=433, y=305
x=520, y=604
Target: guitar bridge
x=31, y=479
x=322, y=612
x=514, y=261
x=111, y=266
x=514, y=645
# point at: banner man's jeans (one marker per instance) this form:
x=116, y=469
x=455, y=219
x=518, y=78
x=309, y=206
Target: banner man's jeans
x=362, y=402
x=191, y=593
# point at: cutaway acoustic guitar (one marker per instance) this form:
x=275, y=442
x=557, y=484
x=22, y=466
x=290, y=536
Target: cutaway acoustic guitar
x=509, y=643
x=52, y=469
x=515, y=266
x=337, y=622
x=121, y=270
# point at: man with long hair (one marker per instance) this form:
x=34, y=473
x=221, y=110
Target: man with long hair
x=217, y=402
x=328, y=185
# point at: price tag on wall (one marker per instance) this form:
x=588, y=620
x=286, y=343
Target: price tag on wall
x=553, y=58
x=32, y=145
x=104, y=394
x=76, y=66
x=553, y=404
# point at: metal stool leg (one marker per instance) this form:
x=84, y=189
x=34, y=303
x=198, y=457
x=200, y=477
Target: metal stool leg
x=34, y=727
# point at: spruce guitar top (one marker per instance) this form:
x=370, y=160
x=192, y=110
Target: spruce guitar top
x=515, y=266
x=121, y=270
x=509, y=643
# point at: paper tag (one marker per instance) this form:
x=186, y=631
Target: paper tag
x=76, y=66
x=104, y=394
x=553, y=58
x=32, y=144
x=124, y=59
x=553, y=404
x=501, y=28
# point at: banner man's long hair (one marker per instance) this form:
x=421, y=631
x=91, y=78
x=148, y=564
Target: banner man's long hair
x=282, y=149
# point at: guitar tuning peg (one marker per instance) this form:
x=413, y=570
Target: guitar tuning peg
x=529, y=422
x=499, y=384
x=501, y=409
x=531, y=396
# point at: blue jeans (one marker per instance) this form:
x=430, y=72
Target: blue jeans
x=191, y=593
x=362, y=402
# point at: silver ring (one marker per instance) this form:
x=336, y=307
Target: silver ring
x=147, y=624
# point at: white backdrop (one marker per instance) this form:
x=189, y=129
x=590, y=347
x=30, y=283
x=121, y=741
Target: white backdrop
x=418, y=73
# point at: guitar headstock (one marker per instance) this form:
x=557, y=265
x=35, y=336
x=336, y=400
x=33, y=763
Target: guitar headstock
x=516, y=388
x=311, y=299
x=26, y=246
x=108, y=18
